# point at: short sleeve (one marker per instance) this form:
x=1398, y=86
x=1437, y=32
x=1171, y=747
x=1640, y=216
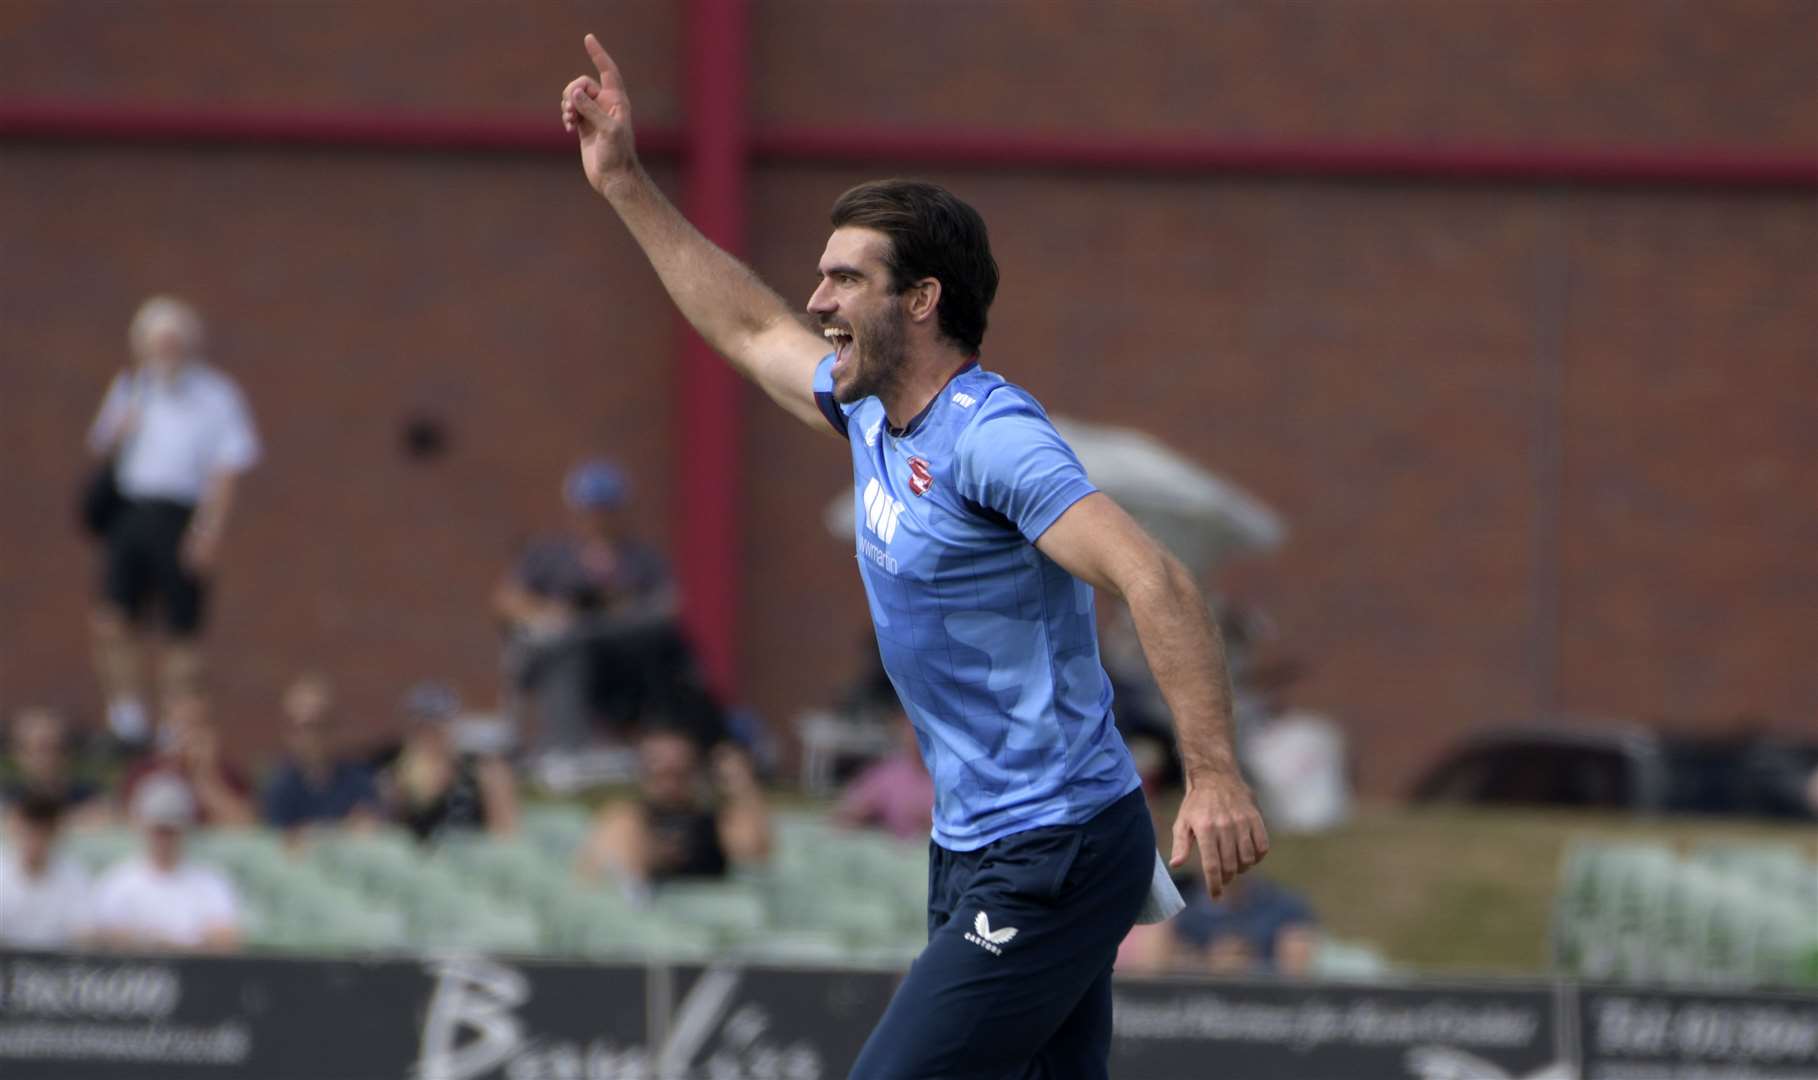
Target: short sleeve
x=1011, y=461
x=237, y=448
x=823, y=395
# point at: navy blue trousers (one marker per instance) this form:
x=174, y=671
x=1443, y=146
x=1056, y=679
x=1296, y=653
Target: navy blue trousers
x=1016, y=979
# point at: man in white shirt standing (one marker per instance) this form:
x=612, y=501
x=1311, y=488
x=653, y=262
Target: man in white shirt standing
x=159, y=899
x=44, y=898
x=179, y=434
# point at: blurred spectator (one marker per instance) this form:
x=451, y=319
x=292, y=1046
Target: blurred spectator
x=1256, y=927
x=39, y=762
x=1297, y=760
x=189, y=749
x=1300, y=765
x=896, y=793
x=178, y=435
x=160, y=899
x=311, y=786
x=44, y=898
x=432, y=785
x=600, y=565
x=674, y=829
x=593, y=649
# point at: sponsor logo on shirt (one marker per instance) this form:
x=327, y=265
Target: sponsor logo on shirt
x=871, y=433
x=964, y=400
x=881, y=511
x=920, y=478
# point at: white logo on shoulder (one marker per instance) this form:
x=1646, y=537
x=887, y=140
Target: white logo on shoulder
x=881, y=511
x=992, y=941
x=964, y=400
x=871, y=433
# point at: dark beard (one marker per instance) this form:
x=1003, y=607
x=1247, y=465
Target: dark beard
x=880, y=369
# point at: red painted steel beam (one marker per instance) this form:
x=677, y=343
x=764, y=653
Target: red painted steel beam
x=708, y=474
x=340, y=129
x=1341, y=161
x=1163, y=155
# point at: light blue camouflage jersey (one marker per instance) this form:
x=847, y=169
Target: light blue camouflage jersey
x=992, y=647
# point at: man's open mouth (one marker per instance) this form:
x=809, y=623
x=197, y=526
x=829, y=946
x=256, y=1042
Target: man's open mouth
x=841, y=339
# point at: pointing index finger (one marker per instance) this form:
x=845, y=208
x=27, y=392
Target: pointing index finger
x=608, y=70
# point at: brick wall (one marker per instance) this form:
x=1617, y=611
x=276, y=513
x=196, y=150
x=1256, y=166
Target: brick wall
x=1539, y=449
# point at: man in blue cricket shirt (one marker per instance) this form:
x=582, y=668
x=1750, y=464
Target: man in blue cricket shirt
x=980, y=541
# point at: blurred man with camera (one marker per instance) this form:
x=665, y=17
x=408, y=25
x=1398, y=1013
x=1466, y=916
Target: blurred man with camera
x=172, y=439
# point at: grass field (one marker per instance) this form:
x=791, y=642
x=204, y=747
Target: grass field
x=1467, y=890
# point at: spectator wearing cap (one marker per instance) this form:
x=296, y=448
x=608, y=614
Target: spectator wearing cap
x=189, y=749
x=39, y=761
x=45, y=899
x=177, y=436
x=432, y=787
x=312, y=786
x=160, y=899
x=589, y=621
x=598, y=565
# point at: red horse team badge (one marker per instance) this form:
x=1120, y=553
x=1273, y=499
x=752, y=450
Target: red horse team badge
x=920, y=479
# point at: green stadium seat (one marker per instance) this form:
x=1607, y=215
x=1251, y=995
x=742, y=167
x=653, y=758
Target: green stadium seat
x=729, y=909
x=798, y=947
x=557, y=828
x=98, y=849
x=636, y=934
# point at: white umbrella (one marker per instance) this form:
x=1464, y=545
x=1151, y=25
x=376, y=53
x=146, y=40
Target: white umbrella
x=1201, y=517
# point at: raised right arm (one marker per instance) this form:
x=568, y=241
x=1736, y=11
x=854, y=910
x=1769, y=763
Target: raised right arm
x=742, y=318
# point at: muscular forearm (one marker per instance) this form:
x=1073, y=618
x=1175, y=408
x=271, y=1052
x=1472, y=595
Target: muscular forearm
x=720, y=297
x=1187, y=655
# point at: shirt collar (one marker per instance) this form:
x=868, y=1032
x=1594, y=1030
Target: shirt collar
x=915, y=422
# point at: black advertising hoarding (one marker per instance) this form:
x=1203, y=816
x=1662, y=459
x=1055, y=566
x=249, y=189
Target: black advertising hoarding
x=82, y=1017
x=109, y=1017
x=1673, y=1035
x=1180, y=1030
x=495, y=1019
x=733, y=1023
x=74, y=1017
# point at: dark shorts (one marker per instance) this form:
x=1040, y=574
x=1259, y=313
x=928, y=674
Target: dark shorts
x=1016, y=978
x=144, y=566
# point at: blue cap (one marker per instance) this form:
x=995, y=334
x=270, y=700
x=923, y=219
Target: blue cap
x=596, y=485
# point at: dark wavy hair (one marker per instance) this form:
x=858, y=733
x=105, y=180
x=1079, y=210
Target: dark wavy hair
x=932, y=235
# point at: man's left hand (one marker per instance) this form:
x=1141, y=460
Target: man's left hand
x=1219, y=812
